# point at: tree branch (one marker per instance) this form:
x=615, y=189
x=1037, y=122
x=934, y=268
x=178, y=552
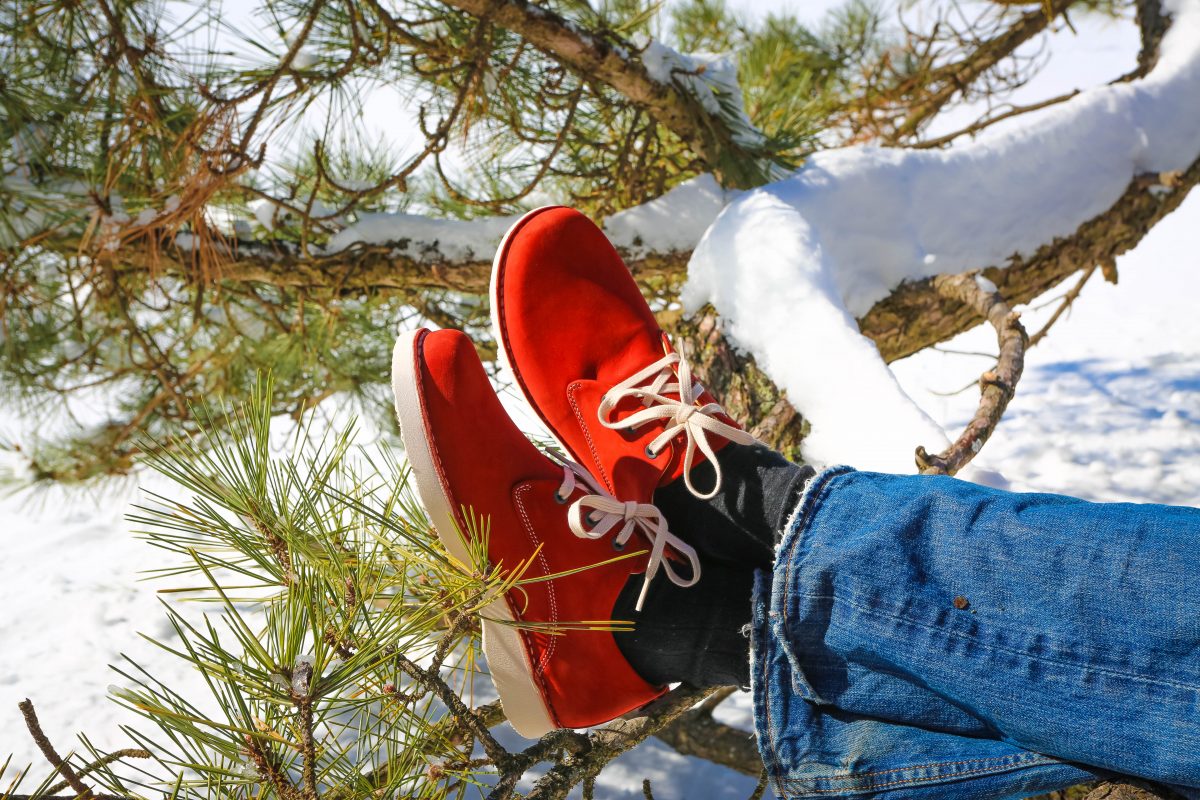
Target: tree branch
x=913, y=317
x=399, y=265
x=916, y=315
x=593, y=57
x=696, y=733
x=997, y=385
x=614, y=739
x=1152, y=24
x=56, y=761
x=954, y=78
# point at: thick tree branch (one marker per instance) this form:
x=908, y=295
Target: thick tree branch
x=593, y=57
x=613, y=739
x=913, y=317
x=746, y=392
x=1152, y=24
x=916, y=315
x=696, y=733
x=400, y=265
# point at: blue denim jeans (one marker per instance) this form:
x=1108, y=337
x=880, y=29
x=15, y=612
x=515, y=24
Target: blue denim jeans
x=928, y=637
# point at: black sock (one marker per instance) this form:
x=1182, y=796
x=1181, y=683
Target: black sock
x=743, y=522
x=697, y=635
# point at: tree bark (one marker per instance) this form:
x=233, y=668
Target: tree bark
x=916, y=316
x=913, y=317
x=595, y=58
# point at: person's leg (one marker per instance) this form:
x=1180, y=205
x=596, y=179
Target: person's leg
x=1057, y=626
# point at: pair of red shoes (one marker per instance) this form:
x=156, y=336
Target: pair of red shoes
x=591, y=360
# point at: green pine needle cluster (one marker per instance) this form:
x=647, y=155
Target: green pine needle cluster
x=324, y=585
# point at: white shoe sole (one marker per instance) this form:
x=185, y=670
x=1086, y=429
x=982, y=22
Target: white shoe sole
x=508, y=662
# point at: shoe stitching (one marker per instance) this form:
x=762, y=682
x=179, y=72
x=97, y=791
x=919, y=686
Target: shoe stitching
x=437, y=463
x=1009, y=761
x=871, y=785
x=572, y=392
x=533, y=538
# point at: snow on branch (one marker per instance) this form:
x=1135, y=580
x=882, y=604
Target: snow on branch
x=790, y=265
x=699, y=109
x=672, y=223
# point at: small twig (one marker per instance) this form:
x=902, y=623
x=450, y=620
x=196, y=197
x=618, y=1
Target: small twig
x=1067, y=300
x=462, y=620
x=761, y=787
x=434, y=683
x=268, y=769
x=116, y=755
x=646, y=791
x=986, y=122
x=56, y=761
x=997, y=385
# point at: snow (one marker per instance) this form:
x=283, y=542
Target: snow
x=1107, y=411
x=425, y=238
x=709, y=77
x=264, y=212
x=674, y=222
x=790, y=265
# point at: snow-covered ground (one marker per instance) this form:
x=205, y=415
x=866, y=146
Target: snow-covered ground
x=1109, y=409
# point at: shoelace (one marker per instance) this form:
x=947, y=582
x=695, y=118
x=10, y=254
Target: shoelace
x=695, y=422
x=598, y=513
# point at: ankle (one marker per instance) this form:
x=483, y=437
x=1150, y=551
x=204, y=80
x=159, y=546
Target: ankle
x=696, y=635
x=744, y=521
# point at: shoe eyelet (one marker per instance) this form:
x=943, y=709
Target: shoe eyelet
x=594, y=518
x=618, y=546
x=651, y=453
x=562, y=501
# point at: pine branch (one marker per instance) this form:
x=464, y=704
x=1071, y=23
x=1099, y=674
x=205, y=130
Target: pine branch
x=1152, y=23
x=361, y=267
x=913, y=317
x=951, y=79
x=615, y=738
x=594, y=57
x=916, y=316
x=696, y=733
x=997, y=385
x=100, y=763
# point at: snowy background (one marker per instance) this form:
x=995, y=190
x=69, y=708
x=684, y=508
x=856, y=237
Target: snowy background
x=1109, y=409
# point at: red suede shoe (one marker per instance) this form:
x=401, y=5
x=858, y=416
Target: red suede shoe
x=471, y=462
x=591, y=360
